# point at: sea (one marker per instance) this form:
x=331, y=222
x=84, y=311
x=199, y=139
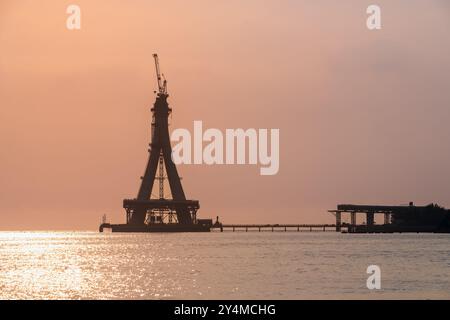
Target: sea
x=223, y=265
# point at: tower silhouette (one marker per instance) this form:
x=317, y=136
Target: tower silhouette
x=147, y=211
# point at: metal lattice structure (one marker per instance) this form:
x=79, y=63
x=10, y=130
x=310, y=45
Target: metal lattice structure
x=147, y=211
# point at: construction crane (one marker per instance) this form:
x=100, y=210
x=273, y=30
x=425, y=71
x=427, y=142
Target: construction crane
x=162, y=82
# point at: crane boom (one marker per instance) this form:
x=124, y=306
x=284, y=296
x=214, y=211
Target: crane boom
x=162, y=82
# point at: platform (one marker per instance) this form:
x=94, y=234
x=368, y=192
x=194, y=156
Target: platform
x=172, y=227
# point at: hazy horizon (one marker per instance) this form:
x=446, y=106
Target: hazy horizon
x=362, y=114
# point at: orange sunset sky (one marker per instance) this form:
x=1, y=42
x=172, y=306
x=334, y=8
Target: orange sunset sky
x=363, y=115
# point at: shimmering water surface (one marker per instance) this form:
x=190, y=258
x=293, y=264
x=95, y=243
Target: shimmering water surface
x=253, y=265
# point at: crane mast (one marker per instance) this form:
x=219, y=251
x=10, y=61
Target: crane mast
x=162, y=82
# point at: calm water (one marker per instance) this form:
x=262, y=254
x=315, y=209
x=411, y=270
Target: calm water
x=89, y=265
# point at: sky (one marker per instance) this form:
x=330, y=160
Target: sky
x=363, y=115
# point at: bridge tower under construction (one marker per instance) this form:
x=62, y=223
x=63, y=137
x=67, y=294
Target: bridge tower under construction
x=150, y=213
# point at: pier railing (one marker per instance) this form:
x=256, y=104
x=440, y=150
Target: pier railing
x=276, y=227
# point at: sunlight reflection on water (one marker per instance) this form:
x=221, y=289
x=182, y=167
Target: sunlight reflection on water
x=89, y=265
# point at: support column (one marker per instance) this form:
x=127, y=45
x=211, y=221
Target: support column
x=338, y=221
x=387, y=218
x=353, y=218
x=370, y=218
